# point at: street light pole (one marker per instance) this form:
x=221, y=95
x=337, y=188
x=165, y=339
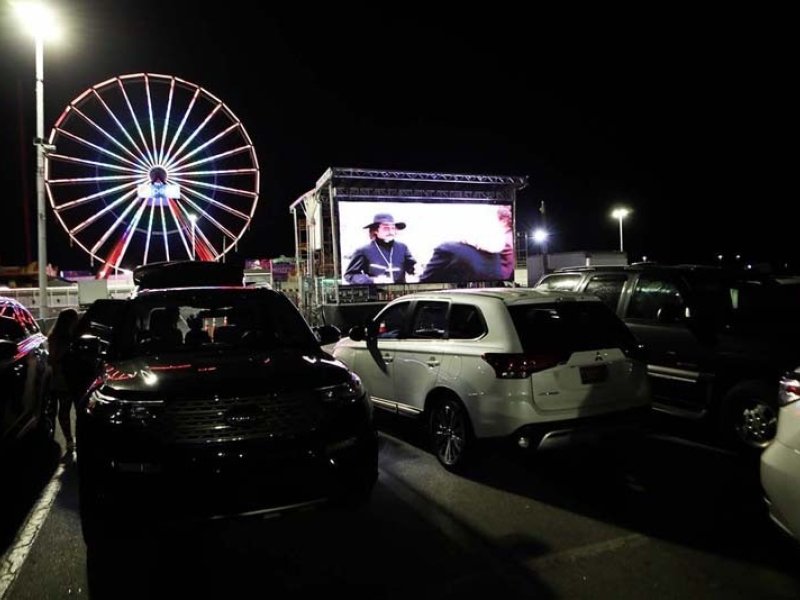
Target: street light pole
x=39, y=20
x=41, y=216
x=620, y=214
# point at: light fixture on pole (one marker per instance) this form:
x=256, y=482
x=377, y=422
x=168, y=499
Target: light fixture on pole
x=540, y=236
x=620, y=214
x=40, y=21
x=193, y=219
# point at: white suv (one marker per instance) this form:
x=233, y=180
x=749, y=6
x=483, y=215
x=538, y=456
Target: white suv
x=539, y=367
x=780, y=462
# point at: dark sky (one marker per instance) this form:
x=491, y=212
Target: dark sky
x=680, y=116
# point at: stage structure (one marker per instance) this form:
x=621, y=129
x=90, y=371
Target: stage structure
x=365, y=236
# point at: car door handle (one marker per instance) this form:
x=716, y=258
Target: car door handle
x=387, y=358
x=432, y=362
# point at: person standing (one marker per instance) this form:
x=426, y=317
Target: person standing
x=384, y=259
x=58, y=341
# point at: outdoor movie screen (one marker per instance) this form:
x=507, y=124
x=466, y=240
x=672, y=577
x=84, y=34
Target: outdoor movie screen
x=425, y=242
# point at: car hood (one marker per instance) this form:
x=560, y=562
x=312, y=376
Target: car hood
x=228, y=374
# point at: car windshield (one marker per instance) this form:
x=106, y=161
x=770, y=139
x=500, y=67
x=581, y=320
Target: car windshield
x=212, y=320
x=569, y=327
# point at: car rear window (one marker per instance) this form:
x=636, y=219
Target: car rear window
x=569, y=327
x=560, y=282
x=213, y=320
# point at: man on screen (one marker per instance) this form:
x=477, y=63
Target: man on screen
x=383, y=259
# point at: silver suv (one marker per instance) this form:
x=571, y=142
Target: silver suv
x=532, y=366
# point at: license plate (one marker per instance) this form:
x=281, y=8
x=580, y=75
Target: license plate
x=594, y=374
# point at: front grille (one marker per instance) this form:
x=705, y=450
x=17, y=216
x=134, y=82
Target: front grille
x=214, y=419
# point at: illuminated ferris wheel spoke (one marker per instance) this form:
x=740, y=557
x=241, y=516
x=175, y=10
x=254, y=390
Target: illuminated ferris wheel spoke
x=215, y=173
x=93, y=163
x=215, y=187
x=220, y=205
x=80, y=140
x=211, y=219
x=166, y=120
x=95, y=196
x=127, y=236
x=178, y=131
x=175, y=164
x=156, y=160
x=136, y=122
x=98, y=179
x=119, y=124
x=112, y=139
x=220, y=156
x=148, y=234
x=172, y=160
x=105, y=210
x=151, y=168
x=104, y=238
x=181, y=225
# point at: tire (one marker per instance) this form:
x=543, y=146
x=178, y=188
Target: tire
x=450, y=434
x=92, y=521
x=750, y=415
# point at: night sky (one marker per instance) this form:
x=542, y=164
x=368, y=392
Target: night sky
x=679, y=116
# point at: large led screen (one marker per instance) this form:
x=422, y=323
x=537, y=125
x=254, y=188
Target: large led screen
x=425, y=242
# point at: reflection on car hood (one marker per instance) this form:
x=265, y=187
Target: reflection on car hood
x=231, y=374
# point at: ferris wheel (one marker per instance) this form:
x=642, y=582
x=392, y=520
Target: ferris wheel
x=148, y=168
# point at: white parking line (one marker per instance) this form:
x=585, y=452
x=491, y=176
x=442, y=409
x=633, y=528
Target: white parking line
x=12, y=561
x=586, y=551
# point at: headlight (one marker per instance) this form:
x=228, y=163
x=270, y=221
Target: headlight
x=789, y=389
x=119, y=411
x=348, y=392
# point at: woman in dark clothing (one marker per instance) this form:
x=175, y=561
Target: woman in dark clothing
x=58, y=342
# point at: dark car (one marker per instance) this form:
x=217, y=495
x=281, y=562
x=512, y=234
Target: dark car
x=716, y=341
x=207, y=402
x=24, y=403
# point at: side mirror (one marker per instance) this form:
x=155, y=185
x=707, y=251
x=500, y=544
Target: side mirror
x=669, y=314
x=89, y=346
x=8, y=350
x=357, y=333
x=327, y=334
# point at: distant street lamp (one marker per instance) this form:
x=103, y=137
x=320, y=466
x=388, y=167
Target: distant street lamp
x=193, y=219
x=40, y=22
x=540, y=236
x=620, y=214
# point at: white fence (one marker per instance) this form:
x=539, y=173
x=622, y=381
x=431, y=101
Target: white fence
x=59, y=297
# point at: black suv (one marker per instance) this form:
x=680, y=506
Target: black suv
x=716, y=342
x=212, y=401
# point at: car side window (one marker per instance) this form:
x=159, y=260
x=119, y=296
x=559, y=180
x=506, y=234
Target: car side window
x=653, y=295
x=430, y=320
x=11, y=324
x=390, y=322
x=607, y=287
x=561, y=282
x=466, y=322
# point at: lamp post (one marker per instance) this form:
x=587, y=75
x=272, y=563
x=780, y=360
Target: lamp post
x=620, y=214
x=540, y=236
x=193, y=219
x=39, y=20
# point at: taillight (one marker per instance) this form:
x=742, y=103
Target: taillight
x=520, y=366
x=789, y=390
